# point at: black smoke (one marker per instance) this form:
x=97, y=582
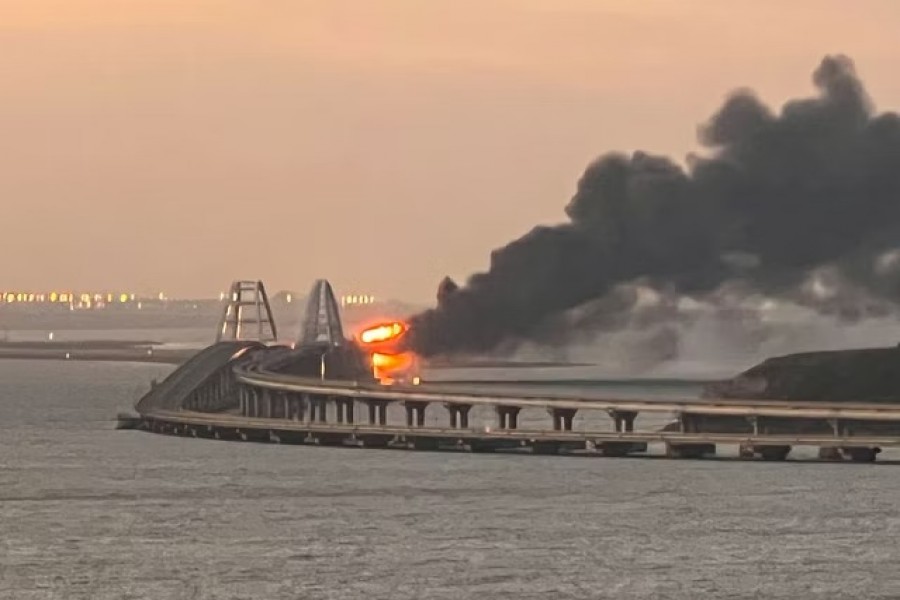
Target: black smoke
x=801, y=205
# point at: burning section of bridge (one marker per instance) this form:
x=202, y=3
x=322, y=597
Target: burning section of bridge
x=384, y=346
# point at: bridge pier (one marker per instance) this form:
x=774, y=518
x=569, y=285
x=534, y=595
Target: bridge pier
x=266, y=403
x=688, y=423
x=318, y=409
x=623, y=420
x=290, y=406
x=562, y=418
x=377, y=411
x=270, y=403
x=344, y=408
x=415, y=413
x=251, y=401
x=507, y=416
x=279, y=405
x=760, y=426
x=274, y=404
x=459, y=415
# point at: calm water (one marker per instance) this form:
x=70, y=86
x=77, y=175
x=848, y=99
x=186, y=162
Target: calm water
x=90, y=512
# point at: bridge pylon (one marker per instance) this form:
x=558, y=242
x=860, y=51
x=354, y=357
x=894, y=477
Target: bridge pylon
x=322, y=320
x=247, y=314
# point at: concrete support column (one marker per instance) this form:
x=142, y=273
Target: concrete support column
x=302, y=401
x=274, y=404
x=623, y=419
x=322, y=403
x=415, y=413
x=349, y=417
x=313, y=408
x=507, y=416
x=837, y=427
x=291, y=406
x=459, y=415
x=464, y=415
x=562, y=418
x=281, y=405
x=688, y=423
x=344, y=407
x=758, y=425
x=268, y=404
x=286, y=406
x=377, y=410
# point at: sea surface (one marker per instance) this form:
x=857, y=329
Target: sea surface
x=88, y=512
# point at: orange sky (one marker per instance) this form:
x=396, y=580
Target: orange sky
x=176, y=145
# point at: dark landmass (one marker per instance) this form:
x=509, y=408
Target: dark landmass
x=864, y=375
x=869, y=375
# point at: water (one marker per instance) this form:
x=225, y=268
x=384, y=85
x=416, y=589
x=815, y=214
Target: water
x=197, y=337
x=87, y=512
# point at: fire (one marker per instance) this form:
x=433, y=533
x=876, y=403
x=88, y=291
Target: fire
x=391, y=368
x=382, y=333
x=392, y=362
x=388, y=359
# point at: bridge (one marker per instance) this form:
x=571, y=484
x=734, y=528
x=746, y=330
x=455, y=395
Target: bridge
x=236, y=390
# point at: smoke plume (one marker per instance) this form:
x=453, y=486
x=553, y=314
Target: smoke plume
x=801, y=205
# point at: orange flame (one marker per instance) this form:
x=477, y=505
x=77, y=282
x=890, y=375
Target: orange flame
x=388, y=358
x=392, y=362
x=382, y=333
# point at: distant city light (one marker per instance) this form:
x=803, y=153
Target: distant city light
x=80, y=300
x=357, y=299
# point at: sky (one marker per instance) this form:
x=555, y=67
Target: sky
x=176, y=145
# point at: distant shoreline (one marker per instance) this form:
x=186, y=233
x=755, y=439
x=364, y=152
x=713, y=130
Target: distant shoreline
x=94, y=350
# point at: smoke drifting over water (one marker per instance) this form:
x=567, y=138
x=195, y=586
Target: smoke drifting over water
x=801, y=206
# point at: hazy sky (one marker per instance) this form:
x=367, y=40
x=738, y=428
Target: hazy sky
x=179, y=144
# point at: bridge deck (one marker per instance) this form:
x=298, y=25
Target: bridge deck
x=708, y=407
x=218, y=394
x=240, y=423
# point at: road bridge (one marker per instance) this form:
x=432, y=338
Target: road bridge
x=274, y=407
